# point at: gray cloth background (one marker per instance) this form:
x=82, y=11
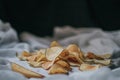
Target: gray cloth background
x=88, y=39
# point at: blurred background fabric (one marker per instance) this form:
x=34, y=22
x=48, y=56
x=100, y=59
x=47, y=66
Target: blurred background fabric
x=88, y=39
x=41, y=16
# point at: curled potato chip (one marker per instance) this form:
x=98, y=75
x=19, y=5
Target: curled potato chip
x=88, y=67
x=73, y=60
x=57, y=69
x=64, y=64
x=53, y=52
x=72, y=48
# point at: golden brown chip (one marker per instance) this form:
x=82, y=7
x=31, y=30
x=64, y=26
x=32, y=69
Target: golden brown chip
x=88, y=67
x=72, y=48
x=41, y=57
x=73, y=61
x=64, y=64
x=91, y=55
x=64, y=53
x=57, y=69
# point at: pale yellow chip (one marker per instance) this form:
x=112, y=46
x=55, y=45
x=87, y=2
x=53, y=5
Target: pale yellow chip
x=24, y=55
x=103, y=62
x=88, y=67
x=35, y=64
x=41, y=51
x=53, y=52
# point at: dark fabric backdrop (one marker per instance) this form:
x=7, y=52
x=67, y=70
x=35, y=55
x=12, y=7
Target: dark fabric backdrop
x=40, y=16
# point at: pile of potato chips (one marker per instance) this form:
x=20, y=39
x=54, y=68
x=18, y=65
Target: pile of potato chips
x=60, y=60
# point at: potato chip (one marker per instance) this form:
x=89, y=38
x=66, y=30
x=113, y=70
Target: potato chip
x=24, y=55
x=105, y=56
x=46, y=65
x=57, y=69
x=74, y=49
x=41, y=51
x=88, y=67
x=32, y=58
x=64, y=64
x=103, y=62
x=91, y=55
x=27, y=73
x=35, y=64
x=53, y=52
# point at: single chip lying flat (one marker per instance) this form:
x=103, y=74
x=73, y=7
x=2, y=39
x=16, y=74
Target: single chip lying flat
x=103, y=62
x=27, y=73
x=88, y=67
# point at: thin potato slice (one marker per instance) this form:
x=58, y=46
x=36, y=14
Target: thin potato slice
x=24, y=55
x=103, y=62
x=27, y=73
x=105, y=56
x=47, y=65
x=57, y=69
x=64, y=64
x=36, y=64
x=91, y=55
x=88, y=67
x=53, y=52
